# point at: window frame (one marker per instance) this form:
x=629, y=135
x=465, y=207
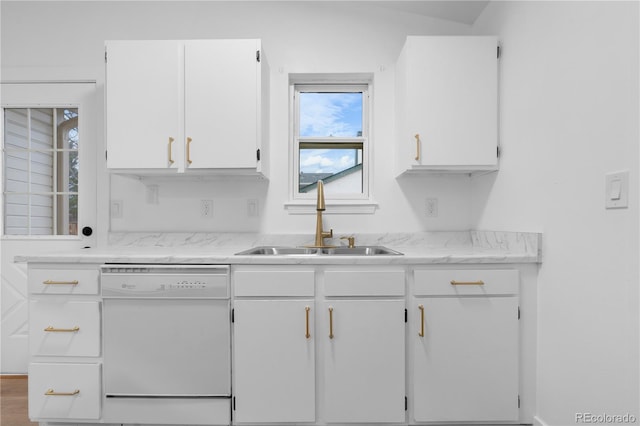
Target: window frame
x=346, y=202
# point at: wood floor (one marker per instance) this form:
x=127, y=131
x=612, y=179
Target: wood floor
x=13, y=401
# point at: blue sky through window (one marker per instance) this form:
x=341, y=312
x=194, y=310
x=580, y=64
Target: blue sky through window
x=324, y=114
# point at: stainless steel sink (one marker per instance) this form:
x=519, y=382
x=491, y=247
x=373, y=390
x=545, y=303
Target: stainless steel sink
x=360, y=251
x=279, y=251
x=314, y=251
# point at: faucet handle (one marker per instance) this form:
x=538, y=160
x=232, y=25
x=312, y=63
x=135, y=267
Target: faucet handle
x=351, y=240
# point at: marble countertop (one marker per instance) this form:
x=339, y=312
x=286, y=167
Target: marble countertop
x=455, y=247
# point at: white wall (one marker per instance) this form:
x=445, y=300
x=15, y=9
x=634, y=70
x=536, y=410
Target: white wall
x=569, y=114
x=298, y=37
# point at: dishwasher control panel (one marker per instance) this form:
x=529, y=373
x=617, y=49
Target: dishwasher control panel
x=164, y=281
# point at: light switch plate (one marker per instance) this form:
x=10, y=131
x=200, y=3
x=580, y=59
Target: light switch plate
x=616, y=190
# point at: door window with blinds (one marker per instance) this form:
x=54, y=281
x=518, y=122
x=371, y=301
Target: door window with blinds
x=41, y=164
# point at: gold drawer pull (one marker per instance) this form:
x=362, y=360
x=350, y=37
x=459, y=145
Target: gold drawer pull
x=50, y=282
x=330, y=323
x=170, y=153
x=62, y=330
x=417, y=136
x=189, y=140
x=307, y=309
x=51, y=392
x=421, y=332
x=479, y=282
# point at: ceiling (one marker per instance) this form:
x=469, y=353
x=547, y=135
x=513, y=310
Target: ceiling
x=461, y=11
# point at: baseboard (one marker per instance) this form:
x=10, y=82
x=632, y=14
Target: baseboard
x=537, y=421
x=13, y=376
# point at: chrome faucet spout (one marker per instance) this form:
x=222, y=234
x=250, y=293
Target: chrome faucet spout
x=320, y=207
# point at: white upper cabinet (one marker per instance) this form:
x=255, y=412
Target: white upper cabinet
x=447, y=104
x=185, y=105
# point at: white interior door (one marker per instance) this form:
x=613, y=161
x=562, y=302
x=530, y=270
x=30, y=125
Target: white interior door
x=13, y=290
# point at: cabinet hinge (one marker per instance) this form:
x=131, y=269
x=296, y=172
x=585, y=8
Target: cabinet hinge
x=498, y=53
x=406, y=403
x=233, y=315
x=257, y=55
x=406, y=316
x=258, y=154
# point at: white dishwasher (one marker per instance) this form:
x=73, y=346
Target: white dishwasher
x=167, y=344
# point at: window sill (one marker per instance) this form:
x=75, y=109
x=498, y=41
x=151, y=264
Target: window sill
x=332, y=207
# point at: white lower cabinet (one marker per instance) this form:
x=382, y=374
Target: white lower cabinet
x=64, y=391
x=465, y=346
x=65, y=367
x=364, y=361
x=274, y=361
x=274, y=346
x=363, y=336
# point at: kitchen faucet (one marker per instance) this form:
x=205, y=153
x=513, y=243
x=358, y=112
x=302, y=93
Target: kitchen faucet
x=320, y=207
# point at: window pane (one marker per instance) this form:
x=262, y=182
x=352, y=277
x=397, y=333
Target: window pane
x=340, y=168
x=15, y=128
x=324, y=114
x=41, y=171
x=68, y=225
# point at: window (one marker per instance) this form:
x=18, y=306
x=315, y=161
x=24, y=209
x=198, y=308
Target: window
x=40, y=191
x=330, y=141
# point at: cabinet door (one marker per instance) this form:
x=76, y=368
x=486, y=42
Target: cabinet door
x=274, y=361
x=364, y=361
x=466, y=364
x=143, y=104
x=221, y=103
x=448, y=92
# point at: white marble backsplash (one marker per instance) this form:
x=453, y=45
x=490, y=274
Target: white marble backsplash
x=474, y=241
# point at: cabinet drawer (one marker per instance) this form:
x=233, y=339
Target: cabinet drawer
x=64, y=391
x=294, y=283
x=63, y=280
x=64, y=328
x=364, y=283
x=465, y=282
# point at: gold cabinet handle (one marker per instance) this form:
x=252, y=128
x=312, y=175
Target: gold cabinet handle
x=417, y=136
x=189, y=150
x=52, y=282
x=51, y=392
x=479, y=282
x=330, y=323
x=51, y=329
x=421, y=332
x=307, y=309
x=170, y=150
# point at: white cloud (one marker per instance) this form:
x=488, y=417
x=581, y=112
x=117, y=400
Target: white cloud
x=327, y=114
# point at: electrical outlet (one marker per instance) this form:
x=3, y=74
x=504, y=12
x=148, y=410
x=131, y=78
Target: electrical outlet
x=252, y=207
x=431, y=205
x=116, y=209
x=206, y=208
x=152, y=194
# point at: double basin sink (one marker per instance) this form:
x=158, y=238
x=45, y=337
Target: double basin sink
x=319, y=251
